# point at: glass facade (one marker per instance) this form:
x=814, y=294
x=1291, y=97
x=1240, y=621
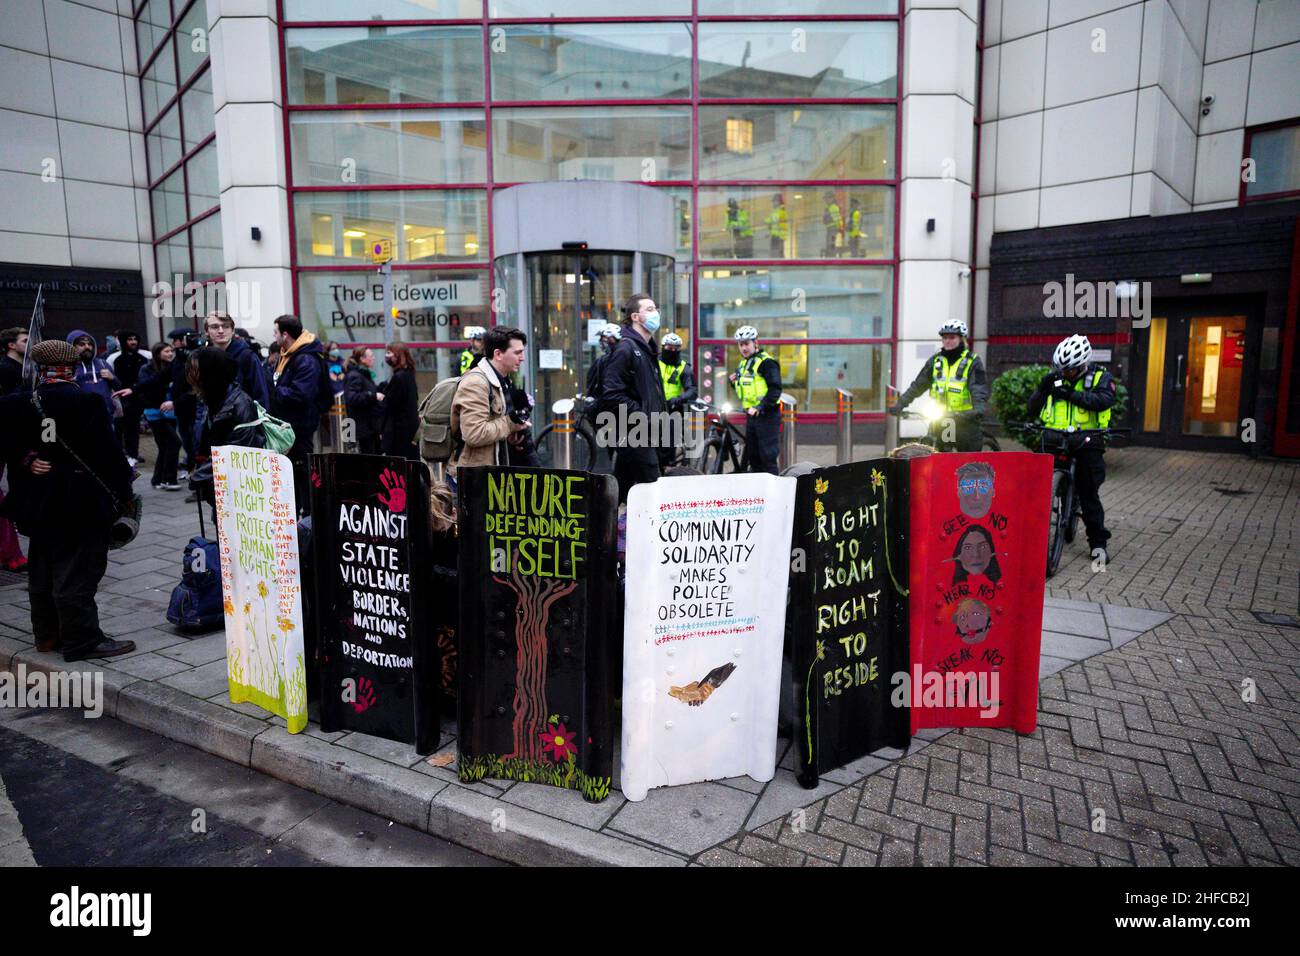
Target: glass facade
x=772, y=125
x=180, y=141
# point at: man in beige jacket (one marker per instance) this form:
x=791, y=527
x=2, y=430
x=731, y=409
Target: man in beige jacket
x=481, y=410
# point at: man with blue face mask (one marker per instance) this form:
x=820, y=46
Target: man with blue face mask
x=633, y=392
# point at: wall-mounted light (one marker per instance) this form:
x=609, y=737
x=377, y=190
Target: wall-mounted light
x=257, y=234
x=929, y=225
x=1196, y=278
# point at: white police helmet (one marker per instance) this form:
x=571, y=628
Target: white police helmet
x=1073, y=352
x=746, y=333
x=672, y=338
x=953, y=327
x=474, y=331
x=611, y=330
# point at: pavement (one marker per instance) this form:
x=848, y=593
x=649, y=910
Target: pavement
x=1146, y=753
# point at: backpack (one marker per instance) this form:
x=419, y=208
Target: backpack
x=278, y=434
x=437, y=440
x=325, y=388
x=197, y=601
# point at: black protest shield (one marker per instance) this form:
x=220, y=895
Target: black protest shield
x=370, y=546
x=538, y=619
x=848, y=612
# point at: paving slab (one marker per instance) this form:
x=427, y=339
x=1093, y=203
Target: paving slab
x=1137, y=619
x=1061, y=620
x=1072, y=647
x=689, y=818
x=783, y=795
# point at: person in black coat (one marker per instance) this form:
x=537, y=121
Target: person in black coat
x=153, y=392
x=212, y=373
x=633, y=389
x=126, y=366
x=67, y=486
x=13, y=346
x=401, y=417
x=364, y=400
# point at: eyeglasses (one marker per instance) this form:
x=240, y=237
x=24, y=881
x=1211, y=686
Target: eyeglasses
x=971, y=486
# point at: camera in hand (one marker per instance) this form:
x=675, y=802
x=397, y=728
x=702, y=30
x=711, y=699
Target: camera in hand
x=520, y=416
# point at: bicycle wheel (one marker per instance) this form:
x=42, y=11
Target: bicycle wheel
x=711, y=458
x=1056, y=544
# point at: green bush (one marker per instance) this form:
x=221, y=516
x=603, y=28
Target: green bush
x=1010, y=395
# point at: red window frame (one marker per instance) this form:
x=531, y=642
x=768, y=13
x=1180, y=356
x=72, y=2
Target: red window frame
x=487, y=104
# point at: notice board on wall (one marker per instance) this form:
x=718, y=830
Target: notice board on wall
x=848, y=613
x=978, y=532
x=370, y=541
x=708, y=566
x=538, y=605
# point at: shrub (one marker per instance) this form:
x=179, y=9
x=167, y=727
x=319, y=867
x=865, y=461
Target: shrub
x=1010, y=396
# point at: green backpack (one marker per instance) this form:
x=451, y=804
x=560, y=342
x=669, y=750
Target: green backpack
x=278, y=434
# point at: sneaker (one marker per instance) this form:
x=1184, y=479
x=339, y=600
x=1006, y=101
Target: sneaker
x=168, y=486
x=132, y=461
x=182, y=475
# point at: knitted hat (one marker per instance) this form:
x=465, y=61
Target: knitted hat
x=53, y=352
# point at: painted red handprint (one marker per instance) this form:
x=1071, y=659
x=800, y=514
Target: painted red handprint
x=315, y=478
x=365, y=696
x=395, y=485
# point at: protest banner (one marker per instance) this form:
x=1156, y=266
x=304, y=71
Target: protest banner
x=709, y=563
x=848, y=612
x=370, y=539
x=978, y=549
x=538, y=606
x=260, y=581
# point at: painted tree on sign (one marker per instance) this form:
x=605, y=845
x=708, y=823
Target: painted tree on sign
x=534, y=598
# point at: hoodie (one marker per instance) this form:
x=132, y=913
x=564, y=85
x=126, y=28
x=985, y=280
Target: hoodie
x=89, y=374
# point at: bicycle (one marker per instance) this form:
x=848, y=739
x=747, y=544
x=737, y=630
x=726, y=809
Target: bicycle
x=725, y=443
x=988, y=442
x=585, y=444
x=1066, y=510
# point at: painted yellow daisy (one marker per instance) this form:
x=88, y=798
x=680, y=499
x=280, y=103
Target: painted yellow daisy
x=877, y=479
x=228, y=607
x=821, y=485
x=261, y=589
x=818, y=509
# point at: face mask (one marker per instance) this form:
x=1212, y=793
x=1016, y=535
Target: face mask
x=335, y=355
x=652, y=322
x=388, y=361
x=671, y=356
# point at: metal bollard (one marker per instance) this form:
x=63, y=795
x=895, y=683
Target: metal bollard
x=844, y=410
x=562, y=434
x=789, y=446
x=696, y=428
x=337, y=412
x=891, y=421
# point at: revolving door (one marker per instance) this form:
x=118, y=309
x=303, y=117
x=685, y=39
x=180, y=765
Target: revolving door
x=569, y=254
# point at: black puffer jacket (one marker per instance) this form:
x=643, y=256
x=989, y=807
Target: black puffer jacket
x=220, y=429
x=631, y=379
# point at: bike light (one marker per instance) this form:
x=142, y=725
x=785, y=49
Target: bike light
x=930, y=410
x=726, y=409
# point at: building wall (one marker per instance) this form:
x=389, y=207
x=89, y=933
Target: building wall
x=1073, y=132
x=72, y=155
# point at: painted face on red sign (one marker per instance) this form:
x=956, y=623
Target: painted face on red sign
x=972, y=621
x=975, y=488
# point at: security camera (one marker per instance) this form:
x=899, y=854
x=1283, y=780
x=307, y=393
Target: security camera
x=963, y=273
x=1207, y=100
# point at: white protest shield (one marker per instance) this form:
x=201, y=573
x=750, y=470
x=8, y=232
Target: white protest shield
x=708, y=568
x=261, y=586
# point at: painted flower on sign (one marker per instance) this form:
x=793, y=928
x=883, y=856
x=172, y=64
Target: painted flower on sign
x=228, y=607
x=818, y=508
x=877, y=479
x=820, y=486
x=559, y=742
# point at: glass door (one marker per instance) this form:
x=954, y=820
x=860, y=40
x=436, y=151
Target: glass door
x=1193, y=379
x=570, y=296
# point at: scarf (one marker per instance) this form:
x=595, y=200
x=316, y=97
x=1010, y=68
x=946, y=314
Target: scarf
x=58, y=373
